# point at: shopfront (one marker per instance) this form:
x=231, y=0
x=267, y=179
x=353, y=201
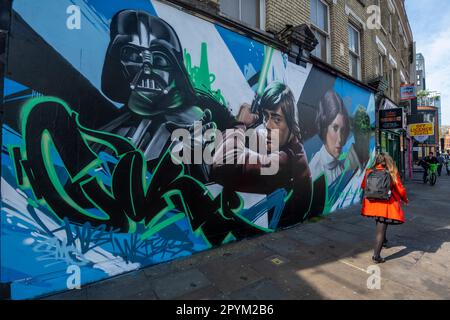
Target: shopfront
x=426, y=135
x=424, y=149
x=392, y=143
x=392, y=132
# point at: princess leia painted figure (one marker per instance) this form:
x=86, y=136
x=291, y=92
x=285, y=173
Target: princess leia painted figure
x=334, y=129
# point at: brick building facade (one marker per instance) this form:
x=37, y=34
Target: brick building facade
x=386, y=52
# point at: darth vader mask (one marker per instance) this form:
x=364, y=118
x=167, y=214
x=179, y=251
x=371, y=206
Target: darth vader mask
x=144, y=65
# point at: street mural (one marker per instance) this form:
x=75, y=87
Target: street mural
x=89, y=180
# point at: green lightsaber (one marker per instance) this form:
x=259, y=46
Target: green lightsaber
x=268, y=54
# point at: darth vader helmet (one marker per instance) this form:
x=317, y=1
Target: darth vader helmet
x=144, y=65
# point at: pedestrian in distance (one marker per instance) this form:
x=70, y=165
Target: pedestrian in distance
x=446, y=163
x=440, y=158
x=382, y=200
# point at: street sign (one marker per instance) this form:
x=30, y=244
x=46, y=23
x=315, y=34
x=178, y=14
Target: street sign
x=407, y=92
x=421, y=129
x=391, y=119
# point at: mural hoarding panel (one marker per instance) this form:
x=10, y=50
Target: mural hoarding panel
x=89, y=178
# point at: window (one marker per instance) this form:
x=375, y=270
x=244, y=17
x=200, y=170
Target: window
x=251, y=12
x=320, y=26
x=354, y=46
x=392, y=30
x=378, y=3
x=390, y=24
x=380, y=64
x=392, y=83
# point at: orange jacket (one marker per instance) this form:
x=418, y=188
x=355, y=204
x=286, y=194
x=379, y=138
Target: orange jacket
x=391, y=209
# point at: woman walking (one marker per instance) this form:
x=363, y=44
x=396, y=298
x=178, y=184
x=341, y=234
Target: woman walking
x=383, y=205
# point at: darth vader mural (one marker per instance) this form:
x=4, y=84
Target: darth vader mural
x=144, y=70
x=89, y=172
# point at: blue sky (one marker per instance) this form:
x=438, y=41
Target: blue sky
x=430, y=23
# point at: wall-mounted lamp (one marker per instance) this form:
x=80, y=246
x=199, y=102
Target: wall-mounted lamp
x=300, y=40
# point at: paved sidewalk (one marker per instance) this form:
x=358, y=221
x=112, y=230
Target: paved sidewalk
x=325, y=260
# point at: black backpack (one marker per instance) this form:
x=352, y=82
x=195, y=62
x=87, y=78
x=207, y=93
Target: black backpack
x=378, y=185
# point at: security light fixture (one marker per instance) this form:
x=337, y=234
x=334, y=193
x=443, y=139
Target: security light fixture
x=300, y=40
x=381, y=84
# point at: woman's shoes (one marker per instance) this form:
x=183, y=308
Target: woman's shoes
x=378, y=260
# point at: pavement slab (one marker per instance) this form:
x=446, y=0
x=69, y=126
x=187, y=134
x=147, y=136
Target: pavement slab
x=179, y=283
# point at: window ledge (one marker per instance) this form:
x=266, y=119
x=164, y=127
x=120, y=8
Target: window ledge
x=393, y=45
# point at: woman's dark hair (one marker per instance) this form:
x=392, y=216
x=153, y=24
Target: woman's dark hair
x=278, y=95
x=330, y=107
